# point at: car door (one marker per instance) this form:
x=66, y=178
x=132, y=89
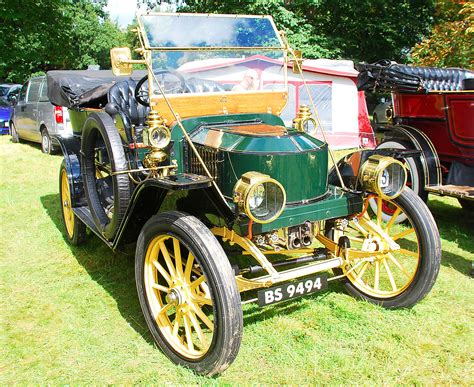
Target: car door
x=46, y=110
x=31, y=111
x=19, y=118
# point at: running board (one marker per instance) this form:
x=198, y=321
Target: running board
x=245, y=284
x=457, y=191
x=84, y=215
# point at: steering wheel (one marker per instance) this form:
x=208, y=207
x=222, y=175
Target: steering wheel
x=141, y=94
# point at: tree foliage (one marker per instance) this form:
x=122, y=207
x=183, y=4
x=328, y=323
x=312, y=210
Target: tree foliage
x=365, y=30
x=40, y=35
x=450, y=42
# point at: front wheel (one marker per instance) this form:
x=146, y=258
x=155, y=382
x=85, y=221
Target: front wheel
x=75, y=229
x=393, y=265
x=188, y=293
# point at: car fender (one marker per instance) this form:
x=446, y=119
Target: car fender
x=71, y=151
x=152, y=196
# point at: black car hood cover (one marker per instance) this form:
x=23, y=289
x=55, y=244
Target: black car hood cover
x=83, y=88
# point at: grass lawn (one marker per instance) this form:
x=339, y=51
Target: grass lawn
x=71, y=315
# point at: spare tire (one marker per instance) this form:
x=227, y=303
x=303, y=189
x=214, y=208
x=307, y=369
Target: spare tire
x=107, y=196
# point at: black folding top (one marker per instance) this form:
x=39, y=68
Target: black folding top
x=389, y=76
x=83, y=88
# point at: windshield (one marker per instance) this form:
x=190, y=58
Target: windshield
x=214, y=53
x=178, y=31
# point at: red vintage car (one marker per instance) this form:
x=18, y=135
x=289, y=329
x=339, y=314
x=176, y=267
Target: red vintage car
x=431, y=126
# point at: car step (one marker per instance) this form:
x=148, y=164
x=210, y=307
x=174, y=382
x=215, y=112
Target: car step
x=85, y=216
x=458, y=191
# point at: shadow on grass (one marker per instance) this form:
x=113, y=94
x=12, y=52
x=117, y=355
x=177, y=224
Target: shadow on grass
x=31, y=144
x=455, y=225
x=114, y=271
x=254, y=314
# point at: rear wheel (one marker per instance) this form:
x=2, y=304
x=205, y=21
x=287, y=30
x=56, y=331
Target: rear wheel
x=188, y=293
x=393, y=265
x=75, y=229
x=46, y=143
x=107, y=193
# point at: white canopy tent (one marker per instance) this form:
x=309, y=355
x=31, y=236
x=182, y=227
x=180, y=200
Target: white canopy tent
x=341, y=108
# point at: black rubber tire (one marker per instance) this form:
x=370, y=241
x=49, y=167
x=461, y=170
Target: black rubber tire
x=78, y=236
x=46, y=142
x=467, y=205
x=14, y=133
x=430, y=251
x=103, y=125
x=228, y=320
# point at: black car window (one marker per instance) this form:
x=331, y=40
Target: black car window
x=44, y=92
x=23, y=92
x=4, y=90
x=4, y=103
x=33, y=92
x=14, y=91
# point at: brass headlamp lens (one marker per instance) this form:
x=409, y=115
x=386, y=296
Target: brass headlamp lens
x=260, y=197
x=159, y=137
x=384, y=176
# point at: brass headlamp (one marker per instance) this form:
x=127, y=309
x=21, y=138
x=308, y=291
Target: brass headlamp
x=260, y=197
x=304, y=122
x=157, y=136
x=383, y=176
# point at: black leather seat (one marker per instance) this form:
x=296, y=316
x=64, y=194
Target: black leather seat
x=121, y=97
x=438, y=79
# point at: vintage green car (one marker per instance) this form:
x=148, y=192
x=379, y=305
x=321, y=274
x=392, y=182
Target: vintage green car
x=190, y=160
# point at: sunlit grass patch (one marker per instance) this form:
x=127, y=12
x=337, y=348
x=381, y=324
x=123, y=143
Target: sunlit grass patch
x=71, y=314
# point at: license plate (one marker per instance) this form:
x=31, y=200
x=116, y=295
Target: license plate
x=292, y=290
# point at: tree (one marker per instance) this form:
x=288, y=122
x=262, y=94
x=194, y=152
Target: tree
x=369, y=30
x=300, y=32
x=40, y=35
x=365, y=30
x=450, y=41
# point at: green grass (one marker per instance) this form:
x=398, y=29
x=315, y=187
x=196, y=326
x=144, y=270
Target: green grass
x=71, y=315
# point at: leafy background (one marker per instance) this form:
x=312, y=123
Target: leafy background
x=41, y=35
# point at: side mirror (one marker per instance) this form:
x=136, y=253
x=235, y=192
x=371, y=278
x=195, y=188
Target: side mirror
x=121, y=59
x=13, y=100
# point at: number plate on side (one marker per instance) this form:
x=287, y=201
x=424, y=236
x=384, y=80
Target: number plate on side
x=292, y=290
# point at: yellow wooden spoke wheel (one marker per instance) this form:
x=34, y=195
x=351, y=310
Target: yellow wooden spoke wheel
x=188, y=292
x=179, y=297
x=75, y=229
x=400, y=261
